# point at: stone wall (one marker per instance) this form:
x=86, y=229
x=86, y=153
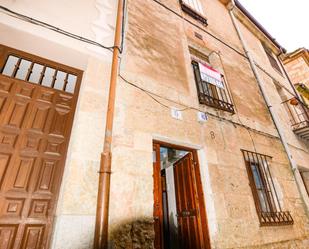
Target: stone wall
x=157, y=59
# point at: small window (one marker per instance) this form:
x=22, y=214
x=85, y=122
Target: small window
x=264, y=192
x=38, y=73
x=272, y=60
x=194, y=8
x=211, y=87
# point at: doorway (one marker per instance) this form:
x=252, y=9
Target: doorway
x=179, y=211
x=37, y=105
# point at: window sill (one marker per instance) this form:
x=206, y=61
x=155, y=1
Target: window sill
x=193, y=13
x=276, y=218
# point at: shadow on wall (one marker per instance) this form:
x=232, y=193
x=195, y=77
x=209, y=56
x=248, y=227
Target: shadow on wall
x=133, y=234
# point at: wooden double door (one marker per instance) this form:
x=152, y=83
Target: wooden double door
x=189, y=230
x=36, y=114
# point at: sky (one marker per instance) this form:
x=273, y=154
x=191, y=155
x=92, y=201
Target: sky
x=287, y=21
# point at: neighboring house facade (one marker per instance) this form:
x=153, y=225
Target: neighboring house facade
x=297, y=66
x=204, y=155
x=63, y=119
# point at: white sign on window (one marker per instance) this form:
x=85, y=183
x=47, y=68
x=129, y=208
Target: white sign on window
x=176, y=114
x=211, y=75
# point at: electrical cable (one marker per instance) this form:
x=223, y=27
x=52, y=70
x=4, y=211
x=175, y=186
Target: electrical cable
x=197, y=26
x=56, y=29
x=186, y=107
x=110, y=48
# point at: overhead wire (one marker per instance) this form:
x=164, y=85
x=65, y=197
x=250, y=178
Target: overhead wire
x=56, y=29
x=152, y=95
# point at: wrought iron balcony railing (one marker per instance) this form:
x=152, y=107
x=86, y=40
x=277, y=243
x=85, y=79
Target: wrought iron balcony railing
x=299, y=118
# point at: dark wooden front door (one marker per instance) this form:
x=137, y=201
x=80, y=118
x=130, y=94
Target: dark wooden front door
x=35, y=125
x=189, y=224
x=191, y=216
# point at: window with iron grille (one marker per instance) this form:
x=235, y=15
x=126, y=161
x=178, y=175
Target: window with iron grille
x=272, y=59
x=194, y=8
x=264, y=192
x=211, y=94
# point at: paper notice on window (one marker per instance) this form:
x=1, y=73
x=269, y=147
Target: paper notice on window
x=210, y=75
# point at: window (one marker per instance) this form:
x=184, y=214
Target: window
x=37, y=72
x=211, y=87
x=263, y=189
x=272, y=60
x=194, y=8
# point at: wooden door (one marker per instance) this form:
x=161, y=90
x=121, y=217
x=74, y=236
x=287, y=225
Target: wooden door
x=191, y=215
x=189, y=224
x=158, y=204
x=35, y=126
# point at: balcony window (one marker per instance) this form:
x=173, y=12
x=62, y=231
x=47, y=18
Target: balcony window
x=264, y=192
x=299, y=117
x=194, y=9
x=211, y=87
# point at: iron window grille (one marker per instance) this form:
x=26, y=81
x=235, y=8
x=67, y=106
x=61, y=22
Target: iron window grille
x=210, y=94
x=194, y=9
x=263, y=189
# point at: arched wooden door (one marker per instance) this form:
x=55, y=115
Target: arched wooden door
x=37, y=105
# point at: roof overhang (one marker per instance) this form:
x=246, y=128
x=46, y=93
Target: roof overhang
x=301, y=52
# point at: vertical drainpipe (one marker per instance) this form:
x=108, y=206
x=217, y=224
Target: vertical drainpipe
x=293, y=164
x=102, y=212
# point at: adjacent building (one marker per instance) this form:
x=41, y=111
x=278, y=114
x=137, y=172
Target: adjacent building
x=297, y=66
x=54, y=86
x=205, y=152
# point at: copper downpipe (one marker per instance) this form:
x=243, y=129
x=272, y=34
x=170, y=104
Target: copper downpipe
x=102, y=213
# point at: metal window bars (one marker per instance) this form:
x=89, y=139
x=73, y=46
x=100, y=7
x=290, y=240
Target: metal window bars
x=266, y=199
x=210, y=94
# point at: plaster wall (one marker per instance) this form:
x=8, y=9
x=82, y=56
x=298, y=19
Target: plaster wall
x=75, y=214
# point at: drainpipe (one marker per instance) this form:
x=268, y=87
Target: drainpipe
x=102, y=212
x=293, y=164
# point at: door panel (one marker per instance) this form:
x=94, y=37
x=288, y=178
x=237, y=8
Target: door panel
x=35, y=126
x=158, y=205
x=187, y=208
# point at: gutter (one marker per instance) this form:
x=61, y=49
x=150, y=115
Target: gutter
x=258, y=25
x=300, y=184
x=102, y=212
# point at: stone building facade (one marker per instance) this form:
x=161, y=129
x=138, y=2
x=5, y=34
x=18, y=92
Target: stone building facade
x=245, y=192
x=297, y=65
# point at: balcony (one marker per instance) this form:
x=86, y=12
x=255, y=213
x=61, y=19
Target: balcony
x=299, y=118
